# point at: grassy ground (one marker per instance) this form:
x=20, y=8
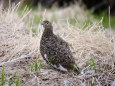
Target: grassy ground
x=22, y=65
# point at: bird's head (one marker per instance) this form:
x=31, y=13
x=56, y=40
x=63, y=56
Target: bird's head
x=46, y=24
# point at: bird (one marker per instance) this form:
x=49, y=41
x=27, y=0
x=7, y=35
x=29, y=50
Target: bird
x=55, y=51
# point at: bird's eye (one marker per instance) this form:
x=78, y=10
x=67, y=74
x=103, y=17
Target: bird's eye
x=47, y=23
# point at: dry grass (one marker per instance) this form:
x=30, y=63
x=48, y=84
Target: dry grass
x=16, y=40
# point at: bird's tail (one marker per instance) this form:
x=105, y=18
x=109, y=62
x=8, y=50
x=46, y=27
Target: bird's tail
x=76, y=69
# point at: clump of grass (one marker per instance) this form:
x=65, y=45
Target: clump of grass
x=36, y=66
x=3, y=77
x=76, y=69
x=51, y=60
x=14, y=80
x=91, y=63
x=18, y=82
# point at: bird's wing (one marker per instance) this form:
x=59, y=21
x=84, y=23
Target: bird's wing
x=63, y=51
x=57, y=53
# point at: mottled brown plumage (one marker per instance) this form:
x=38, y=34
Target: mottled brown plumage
x=55, y=50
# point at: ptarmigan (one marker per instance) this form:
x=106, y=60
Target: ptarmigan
x=55, y=51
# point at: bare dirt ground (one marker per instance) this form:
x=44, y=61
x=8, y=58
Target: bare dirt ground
x=93, y=49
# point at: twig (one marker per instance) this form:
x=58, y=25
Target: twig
x=21, y=58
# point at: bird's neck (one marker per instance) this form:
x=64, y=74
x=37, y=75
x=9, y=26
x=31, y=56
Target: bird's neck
x=48, y=32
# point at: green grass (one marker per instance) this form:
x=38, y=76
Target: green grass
x=36, y=21
x=35, y=66
x=91, y=63
x=13, y=80
x=105, y=18
x=18, y=82
x=23, y=5
x=3, y=77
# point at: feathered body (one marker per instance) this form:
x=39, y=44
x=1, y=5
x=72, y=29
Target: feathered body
x=55, y=50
